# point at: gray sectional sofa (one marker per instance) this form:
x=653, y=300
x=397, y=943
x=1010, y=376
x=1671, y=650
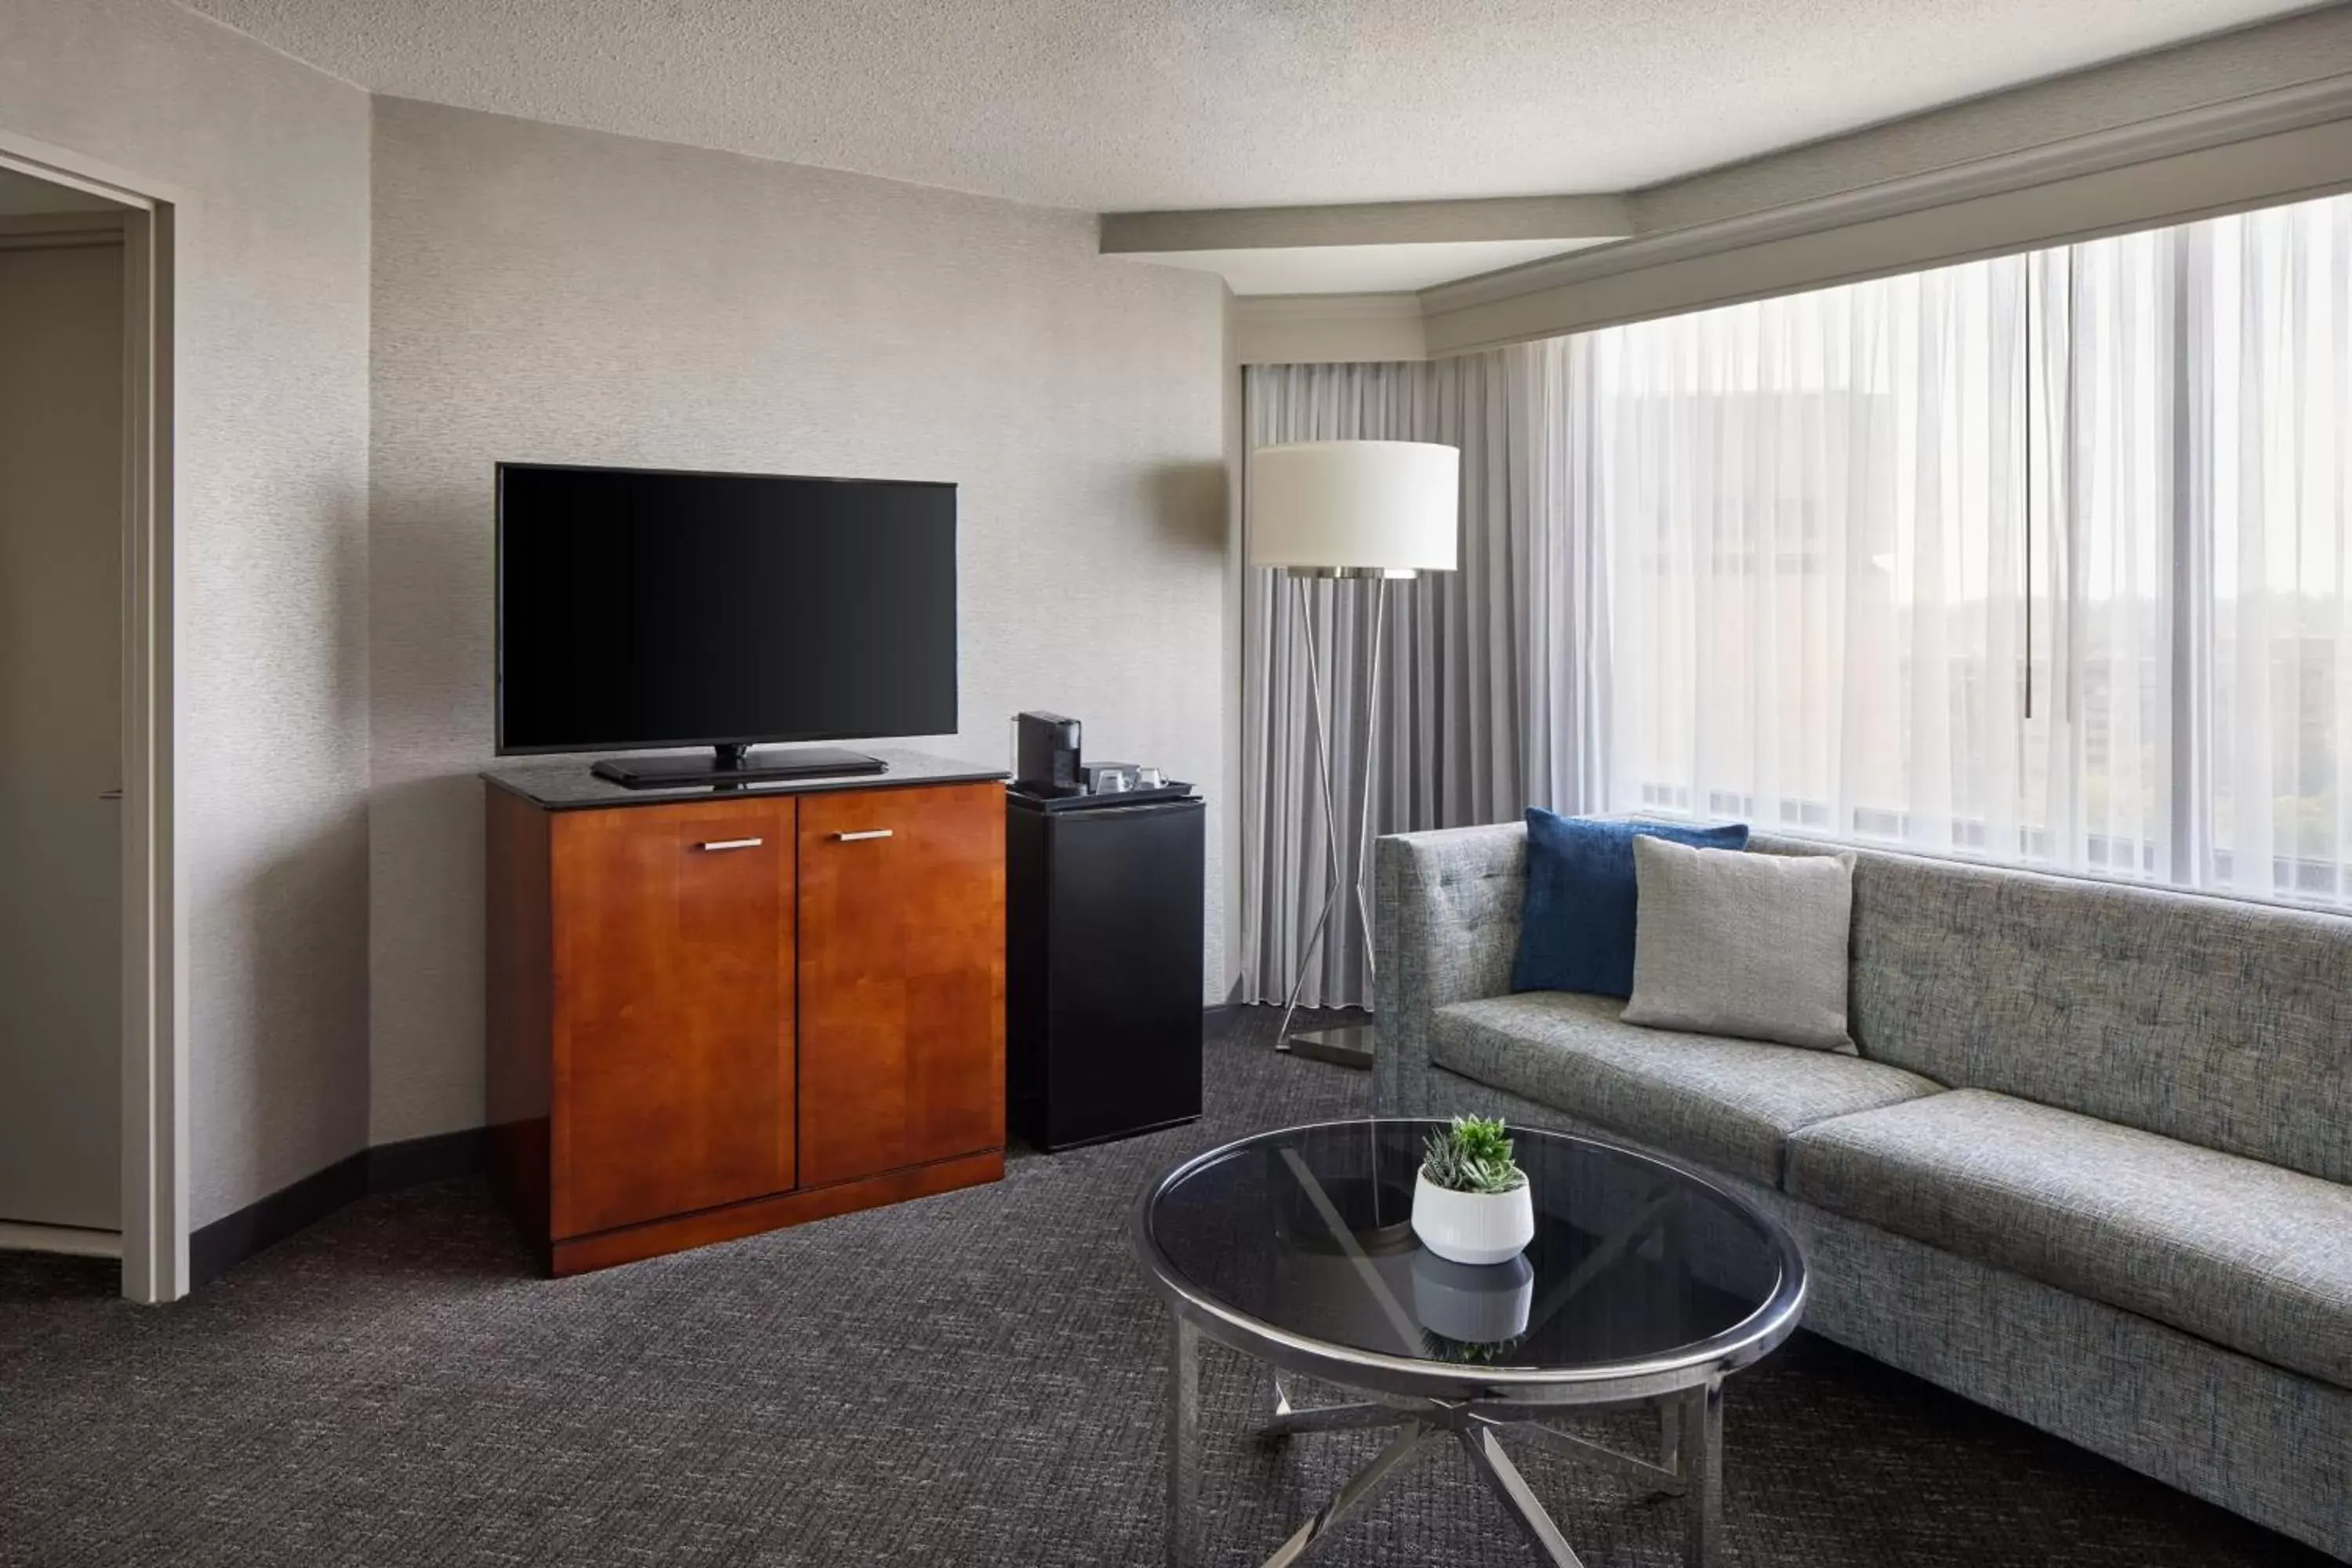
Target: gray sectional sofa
x=2092, y=1166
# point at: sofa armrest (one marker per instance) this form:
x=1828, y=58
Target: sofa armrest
x=1445, y=922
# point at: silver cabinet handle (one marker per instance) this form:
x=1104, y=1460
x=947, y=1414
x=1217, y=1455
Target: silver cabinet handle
x=732, y=844
x=869, y=833
x=110, y=795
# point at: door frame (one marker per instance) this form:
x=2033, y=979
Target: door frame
x=154, y=884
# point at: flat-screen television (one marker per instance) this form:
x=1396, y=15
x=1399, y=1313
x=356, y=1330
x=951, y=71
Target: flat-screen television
x=641, y=609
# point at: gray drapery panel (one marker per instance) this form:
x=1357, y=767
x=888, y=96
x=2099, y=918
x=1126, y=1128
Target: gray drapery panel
x=1491, y=676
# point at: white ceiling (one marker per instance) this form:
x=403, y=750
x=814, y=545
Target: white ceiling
x=1105, y=105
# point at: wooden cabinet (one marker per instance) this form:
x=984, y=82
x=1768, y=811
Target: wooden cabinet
x=902, y=979
x=673, y=1016
x=717, y=1016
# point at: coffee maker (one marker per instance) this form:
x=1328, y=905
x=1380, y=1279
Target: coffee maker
x=1045, y=755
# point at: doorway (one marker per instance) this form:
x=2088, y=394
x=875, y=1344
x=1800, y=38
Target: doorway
x=93, y=955
x=61, y=605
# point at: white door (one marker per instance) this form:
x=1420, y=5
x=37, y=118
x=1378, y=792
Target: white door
x=61, y=736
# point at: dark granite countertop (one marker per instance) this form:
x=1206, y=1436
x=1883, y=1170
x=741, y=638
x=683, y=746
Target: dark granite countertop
x=565, y=784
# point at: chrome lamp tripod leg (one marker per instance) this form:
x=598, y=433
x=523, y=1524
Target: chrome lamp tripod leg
x=1350, y=1045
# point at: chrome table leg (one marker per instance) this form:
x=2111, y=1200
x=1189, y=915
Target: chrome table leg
x=1288, y=1420
x=1356, y=1493
x=1654, y=1478
x=1689, y=1459
x=1183, y=1444
x=1702, y=1466
x=1510, y=1488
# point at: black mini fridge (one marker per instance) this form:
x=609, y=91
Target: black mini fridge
x=1102, y=984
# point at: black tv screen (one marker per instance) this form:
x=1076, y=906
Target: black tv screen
x=640, y=608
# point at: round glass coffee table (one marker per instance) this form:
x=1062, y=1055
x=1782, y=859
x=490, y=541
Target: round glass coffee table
x=1646, y=1284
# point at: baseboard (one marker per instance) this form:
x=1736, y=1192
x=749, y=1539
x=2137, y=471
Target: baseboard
x=216, y=1248
x=414, y=1160
x=629, y=1244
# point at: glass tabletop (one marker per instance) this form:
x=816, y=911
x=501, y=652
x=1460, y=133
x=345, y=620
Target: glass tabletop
x=1307, y=1231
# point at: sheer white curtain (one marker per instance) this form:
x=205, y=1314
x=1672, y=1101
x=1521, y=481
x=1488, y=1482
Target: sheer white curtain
x=2267, y=301
x=1814, y=514
x=2103, y=345
x=2044, y=559
x=2200, y=397
x=1494, y=678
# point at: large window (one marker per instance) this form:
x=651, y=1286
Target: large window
x=2043, y=559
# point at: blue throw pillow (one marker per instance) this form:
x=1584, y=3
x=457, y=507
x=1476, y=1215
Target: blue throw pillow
x=1576, y=928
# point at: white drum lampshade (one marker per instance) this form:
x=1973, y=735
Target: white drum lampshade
x=1374, y=509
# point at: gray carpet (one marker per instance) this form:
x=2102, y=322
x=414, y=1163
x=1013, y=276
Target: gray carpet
x=970, y=1379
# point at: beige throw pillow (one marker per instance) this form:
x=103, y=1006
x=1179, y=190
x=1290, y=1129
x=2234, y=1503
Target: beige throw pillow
x=1731, y=942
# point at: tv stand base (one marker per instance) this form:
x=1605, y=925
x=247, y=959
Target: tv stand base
x=736, y=764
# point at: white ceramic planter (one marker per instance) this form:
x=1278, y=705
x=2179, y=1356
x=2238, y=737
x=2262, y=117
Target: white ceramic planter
x=1473, y=1228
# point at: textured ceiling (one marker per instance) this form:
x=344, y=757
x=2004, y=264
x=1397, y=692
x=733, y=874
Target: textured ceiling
x=1106, y=105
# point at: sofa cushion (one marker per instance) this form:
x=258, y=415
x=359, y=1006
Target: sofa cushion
x=2212, y=1021
x=1725, y=1103
x=1752, y=945
x=1576, y=930
x=2234, y=1251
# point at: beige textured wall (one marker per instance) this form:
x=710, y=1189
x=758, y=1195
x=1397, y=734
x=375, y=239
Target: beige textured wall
x=270, y=159
x=556, y=295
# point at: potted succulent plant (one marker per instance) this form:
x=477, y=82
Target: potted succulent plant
x=1470, y=1203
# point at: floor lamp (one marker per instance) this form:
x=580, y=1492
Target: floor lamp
x=1346, y=510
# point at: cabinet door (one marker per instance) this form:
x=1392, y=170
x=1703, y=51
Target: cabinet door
x=673, y=1072
x=902, y=978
